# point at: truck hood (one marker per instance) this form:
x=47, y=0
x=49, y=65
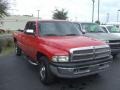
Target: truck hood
x=103, y=36
x=68, y=42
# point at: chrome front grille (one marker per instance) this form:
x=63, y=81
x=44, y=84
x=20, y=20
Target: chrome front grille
x=90, y=53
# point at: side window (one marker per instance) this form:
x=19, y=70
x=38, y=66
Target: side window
x=32, y=26
x=27, y=25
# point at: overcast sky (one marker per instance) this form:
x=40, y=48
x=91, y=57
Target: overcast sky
x=80, y=10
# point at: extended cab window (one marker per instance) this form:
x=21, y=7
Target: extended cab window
x=58, y=28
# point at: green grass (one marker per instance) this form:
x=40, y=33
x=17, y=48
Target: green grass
x=2, y=33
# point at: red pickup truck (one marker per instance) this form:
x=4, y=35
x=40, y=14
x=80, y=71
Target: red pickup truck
x=59, y=49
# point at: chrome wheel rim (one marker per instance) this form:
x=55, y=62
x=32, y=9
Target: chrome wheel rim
x=42, y=72
x=16, y=49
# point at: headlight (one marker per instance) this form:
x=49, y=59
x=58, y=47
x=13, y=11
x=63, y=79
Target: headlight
x=60, y=58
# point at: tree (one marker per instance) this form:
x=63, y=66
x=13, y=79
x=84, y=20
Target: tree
x=60, y=14
x=98, y=22
x=3, y=8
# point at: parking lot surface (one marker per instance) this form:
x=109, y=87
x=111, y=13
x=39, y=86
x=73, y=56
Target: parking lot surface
x=17, y=74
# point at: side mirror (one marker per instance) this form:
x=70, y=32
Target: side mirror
x=29, y=31
x=83, y=31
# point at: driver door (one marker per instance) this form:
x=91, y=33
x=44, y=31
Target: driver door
x=31, y=41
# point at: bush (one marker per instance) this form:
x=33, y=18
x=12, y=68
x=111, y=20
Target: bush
x=6, y=43
x=0, y=49
x=9, y=43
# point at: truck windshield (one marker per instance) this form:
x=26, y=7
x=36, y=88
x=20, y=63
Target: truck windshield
x=92, y=28
x=113, y=29
x=58, y=28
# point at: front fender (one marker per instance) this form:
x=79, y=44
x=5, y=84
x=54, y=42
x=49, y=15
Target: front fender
x=50, y=51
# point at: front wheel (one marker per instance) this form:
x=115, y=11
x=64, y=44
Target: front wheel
x=17, y=50
x=46, y=76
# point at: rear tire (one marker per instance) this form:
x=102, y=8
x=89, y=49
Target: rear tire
x=17, y=50
x=46, y=76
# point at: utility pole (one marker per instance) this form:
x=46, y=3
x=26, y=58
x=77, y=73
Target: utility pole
x=118, y=15
x=107, y=17
x=98, y=10
x=38, y=13
x=76, y=18
x=93, y=1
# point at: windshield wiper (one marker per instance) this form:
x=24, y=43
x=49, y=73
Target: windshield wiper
x=101, y=31
x=71, y=35
x=61, y=35
x=50, y=35
x=96, y=31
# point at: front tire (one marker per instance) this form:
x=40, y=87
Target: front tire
x=17, y=50
x=46, y=76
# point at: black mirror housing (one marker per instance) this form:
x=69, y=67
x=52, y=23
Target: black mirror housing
x=83, y=31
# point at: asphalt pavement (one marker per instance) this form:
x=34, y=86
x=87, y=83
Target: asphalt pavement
x=17, y=74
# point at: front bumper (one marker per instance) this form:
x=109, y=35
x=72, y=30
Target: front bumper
x=115, y=51
x=75, y=70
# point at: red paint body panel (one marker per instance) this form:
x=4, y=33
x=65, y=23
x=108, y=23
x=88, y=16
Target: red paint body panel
x=51, y=45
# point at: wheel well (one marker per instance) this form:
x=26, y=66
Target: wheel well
x=15, y=40
x=39, y=55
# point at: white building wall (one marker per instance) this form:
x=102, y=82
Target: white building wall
x=15, y=22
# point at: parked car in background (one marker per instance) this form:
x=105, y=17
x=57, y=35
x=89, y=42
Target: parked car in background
x=95, y=31
x=117, y=24
x=111, y=29
x=59, y=49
